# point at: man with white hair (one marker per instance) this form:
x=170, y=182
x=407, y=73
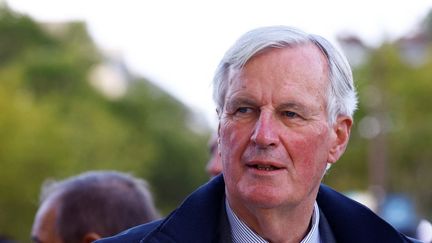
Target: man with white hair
x=285, y=101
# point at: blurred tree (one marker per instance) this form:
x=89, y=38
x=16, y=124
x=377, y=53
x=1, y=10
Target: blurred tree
x=19, y=33
x=391, y=138
x=54, y=124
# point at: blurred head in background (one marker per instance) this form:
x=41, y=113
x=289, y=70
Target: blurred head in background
x=91, y=205
x=214, y=164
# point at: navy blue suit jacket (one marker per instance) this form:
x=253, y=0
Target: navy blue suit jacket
x=202, y=218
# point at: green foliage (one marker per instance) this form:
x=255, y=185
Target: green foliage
x=19, y=33
x=402, y=94
x=53, y=124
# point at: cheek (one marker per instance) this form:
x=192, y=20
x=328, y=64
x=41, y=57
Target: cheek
x=308, y=149
x=234, y=140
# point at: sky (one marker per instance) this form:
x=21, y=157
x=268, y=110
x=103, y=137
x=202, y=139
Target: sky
x=177, y=44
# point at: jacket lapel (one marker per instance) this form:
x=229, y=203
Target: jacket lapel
x=326, y=234
x=200, y=218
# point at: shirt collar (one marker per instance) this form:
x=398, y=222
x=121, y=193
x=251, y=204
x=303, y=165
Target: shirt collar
x=241, y=233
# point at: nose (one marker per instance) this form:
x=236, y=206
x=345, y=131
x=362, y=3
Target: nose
x=265, y=131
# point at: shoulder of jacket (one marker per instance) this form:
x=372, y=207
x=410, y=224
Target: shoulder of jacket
x=351, y=221
x=134, y=234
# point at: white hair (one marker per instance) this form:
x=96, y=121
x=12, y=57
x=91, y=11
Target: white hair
x=341, y=93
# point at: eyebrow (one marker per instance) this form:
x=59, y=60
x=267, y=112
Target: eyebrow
x=292, y=105
x=242, y=101
x=239, y=101
x=304, y=110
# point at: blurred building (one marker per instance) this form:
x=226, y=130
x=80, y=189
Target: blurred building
x=413, y=48
x=354, y=48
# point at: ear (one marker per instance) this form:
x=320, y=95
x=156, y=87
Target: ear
x=340, y=136
x=90, y=237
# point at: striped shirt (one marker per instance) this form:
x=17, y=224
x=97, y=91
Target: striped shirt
x=241, y=233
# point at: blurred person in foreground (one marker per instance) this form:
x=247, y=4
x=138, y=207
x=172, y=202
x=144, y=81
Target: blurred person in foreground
x=214, y=164
x=285, y=101
x=91, y=205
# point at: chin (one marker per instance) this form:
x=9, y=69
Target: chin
x=268, y=197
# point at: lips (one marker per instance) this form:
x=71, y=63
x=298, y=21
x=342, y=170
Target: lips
x=264, y=166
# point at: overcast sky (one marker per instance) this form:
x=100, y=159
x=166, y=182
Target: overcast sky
x=178, y=43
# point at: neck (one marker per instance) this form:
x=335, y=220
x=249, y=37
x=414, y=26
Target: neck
x=278, y=225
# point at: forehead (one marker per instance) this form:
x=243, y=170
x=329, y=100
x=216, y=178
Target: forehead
x=297, y=70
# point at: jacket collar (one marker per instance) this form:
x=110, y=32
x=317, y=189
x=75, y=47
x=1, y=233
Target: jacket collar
x=353, y=222
x=202, y=218
x=199, y=217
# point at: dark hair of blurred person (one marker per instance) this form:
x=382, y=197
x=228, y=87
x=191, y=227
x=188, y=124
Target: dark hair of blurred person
x=91, y=205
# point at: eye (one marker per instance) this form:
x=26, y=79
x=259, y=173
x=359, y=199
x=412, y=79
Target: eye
x=244, y=110
x=290, y=114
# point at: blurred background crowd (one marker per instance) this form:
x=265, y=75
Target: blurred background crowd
x=60, y=116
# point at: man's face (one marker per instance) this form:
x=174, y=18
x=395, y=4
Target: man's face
x=44, y=226
x=275, y=138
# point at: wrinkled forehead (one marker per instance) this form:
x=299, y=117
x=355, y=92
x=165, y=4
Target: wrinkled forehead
x=233, y=66
x=309, y=54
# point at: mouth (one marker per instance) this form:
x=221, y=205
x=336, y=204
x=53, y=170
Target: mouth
x=264, y=167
